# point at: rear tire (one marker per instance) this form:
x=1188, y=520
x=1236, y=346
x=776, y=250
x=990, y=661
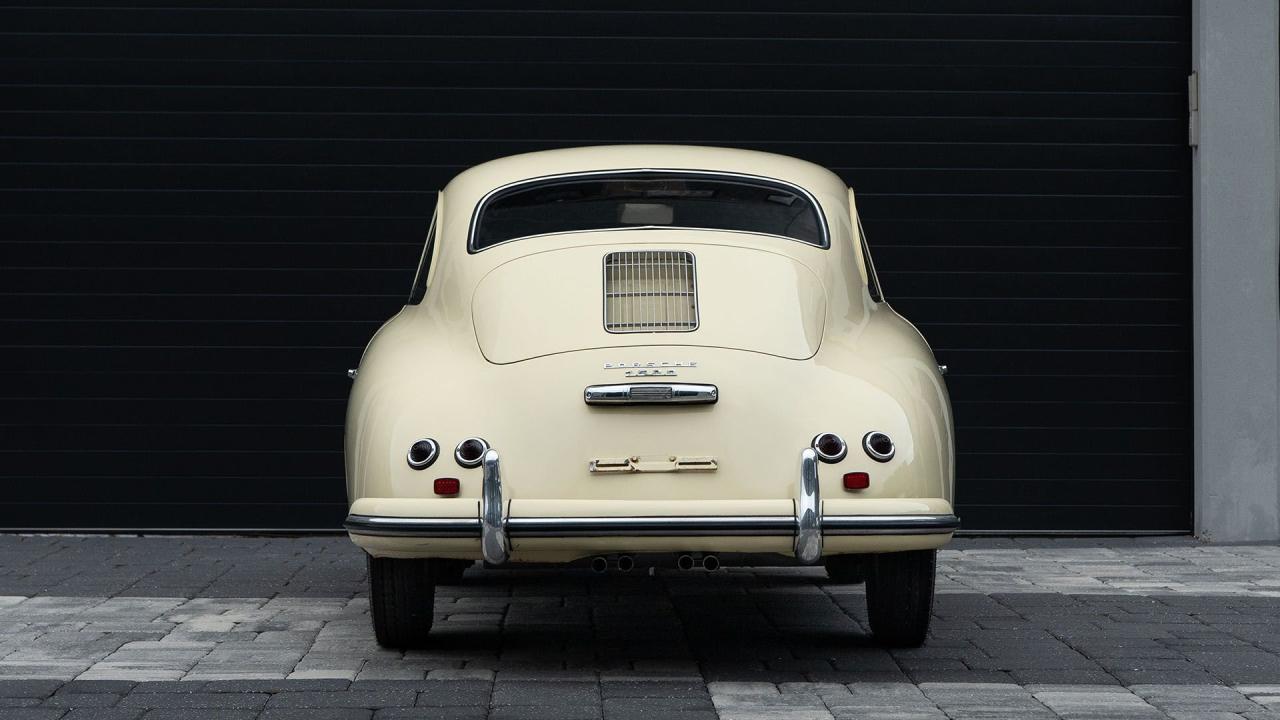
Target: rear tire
x=847, y=569
x=900, y=596
x=401, y=601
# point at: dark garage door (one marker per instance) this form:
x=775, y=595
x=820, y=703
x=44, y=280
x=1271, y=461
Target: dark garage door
x=206, y=212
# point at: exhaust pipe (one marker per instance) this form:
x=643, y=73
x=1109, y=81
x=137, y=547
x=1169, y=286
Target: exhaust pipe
x=710, y=563
x=685, y=562
x=599, y=564
x=626, y=563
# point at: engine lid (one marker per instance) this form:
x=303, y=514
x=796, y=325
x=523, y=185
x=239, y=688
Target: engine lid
x=587, y=297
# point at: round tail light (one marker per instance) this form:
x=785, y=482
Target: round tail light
x=422, y=453
x=831, y=448
x=470, y=452
x=879, y=446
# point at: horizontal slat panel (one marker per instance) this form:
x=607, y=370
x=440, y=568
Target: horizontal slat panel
x=206, y=209
x=655, y=72
x=850, y=155
x=652, y=24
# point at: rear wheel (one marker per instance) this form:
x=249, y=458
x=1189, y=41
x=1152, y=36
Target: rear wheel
x=900, y=596
x=401, y=599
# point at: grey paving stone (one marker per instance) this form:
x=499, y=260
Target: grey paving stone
x=438, y=713
x=461, y=692
x=200, y=714
x=81, y=700
x=268, y=686
x=104, y=714
x=200, y=700
x=29, y=688
x=118, y=687
x=536, y=712
x=34, y=714
x=1092, y=613
x=656, y=707
x=651, y=689
x=171, y=686
x=1186, y=699
x=556, y=694
x=344, y=699
x=316, y=714
x=647, y=714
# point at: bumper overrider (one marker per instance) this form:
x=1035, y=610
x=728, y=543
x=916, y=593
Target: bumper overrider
x=807, y=526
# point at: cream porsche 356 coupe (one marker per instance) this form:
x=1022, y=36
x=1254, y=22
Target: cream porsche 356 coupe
x=614, y=351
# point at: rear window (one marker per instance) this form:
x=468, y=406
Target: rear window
x=640, y=200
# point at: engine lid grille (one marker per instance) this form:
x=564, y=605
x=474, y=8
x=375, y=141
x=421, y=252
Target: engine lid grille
x=650, y=291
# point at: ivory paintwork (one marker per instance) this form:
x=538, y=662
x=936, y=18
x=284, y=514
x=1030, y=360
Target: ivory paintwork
x=506, y=339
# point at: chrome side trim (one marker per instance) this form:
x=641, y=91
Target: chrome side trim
x=808, y=523
x=655, y=526
x=651, y=394
x=494, y=545
x=890, y=524
x=411, y=526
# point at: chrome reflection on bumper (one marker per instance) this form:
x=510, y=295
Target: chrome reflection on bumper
x=412, y=527
x=889, y=524
x=808, y=523
x=494, y=545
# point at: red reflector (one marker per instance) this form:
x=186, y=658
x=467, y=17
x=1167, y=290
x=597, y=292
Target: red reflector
x=852, y=481
x=448, y=486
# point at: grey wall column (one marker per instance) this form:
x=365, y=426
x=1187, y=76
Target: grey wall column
x=1237, y=326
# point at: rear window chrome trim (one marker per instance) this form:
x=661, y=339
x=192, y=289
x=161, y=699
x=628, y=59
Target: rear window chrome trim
x=802, y=192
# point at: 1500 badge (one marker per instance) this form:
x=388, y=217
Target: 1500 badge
x=664, y=368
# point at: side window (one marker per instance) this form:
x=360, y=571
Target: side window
x=419, y=289
x=873, y=282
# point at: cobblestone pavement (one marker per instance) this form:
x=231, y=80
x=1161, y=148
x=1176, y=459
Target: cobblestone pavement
x=223, y=627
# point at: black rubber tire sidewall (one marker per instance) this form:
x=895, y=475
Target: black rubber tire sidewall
x=900, y=589
x=401, y=601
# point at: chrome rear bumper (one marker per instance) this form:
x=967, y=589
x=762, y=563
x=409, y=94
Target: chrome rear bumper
x=807, y=526
x=665, y=526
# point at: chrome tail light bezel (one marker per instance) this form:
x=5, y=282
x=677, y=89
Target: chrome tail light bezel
x=470, y=462
x=424, y=463
x=868, y=446
x=829, y=457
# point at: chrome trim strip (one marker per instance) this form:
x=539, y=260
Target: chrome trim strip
x=484, y=200
x=808, y=521
x=890, y=524
x=412, y=526
x=494, y=545
x=656, y=526
x=647, y=526
x=624, y=394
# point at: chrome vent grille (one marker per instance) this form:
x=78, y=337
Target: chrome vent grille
x=650, y=291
